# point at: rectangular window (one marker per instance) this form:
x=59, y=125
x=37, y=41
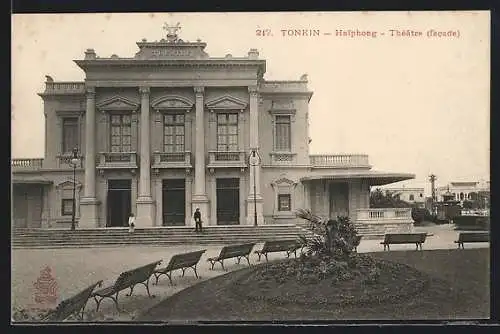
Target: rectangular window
x=284, y=202
x=121, y=133
x=282, y=135
x=227, y=132
x=67, y=207
x=173, y=133
x=70, y=134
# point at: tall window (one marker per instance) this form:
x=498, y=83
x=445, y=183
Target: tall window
x=284, y=202
x=70, y=134
x=173, y=133
x=282, y=135
x=121, y=139
x=227, y=132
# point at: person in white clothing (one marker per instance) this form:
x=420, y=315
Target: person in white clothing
x=131, y=223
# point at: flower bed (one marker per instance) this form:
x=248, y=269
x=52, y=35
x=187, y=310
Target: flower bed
x=319, y=281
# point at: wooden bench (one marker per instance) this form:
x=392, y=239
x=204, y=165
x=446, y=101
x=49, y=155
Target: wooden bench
x=182, y=262
x=73, y=305
x=464, y=237
x=227, y=252
x=274, y=246
x=127, y=279
x=404, y=238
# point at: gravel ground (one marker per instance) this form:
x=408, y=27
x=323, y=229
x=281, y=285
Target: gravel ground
x=75, y=269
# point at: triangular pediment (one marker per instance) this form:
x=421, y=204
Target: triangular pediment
x=68, y=185
x=173, y=102
x=118, y=103
x=227, y=102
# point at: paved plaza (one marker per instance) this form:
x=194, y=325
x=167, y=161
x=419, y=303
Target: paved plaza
x=75, y=269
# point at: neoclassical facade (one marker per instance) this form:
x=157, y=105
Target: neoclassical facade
x=172, y=129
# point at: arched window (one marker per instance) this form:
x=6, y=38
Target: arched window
x=412, y=197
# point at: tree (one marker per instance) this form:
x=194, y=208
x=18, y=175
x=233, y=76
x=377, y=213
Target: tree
x=387, y=199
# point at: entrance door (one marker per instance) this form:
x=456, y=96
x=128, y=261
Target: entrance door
x=174, y=202
x=339, y=199
x=228, y=201
x=119, y=202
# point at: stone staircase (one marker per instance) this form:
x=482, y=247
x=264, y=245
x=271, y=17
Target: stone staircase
x=161, y=236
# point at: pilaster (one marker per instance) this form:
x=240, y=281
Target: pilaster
x=254, y=196
x=145, y=204
x=89, y=203
x=200, y=199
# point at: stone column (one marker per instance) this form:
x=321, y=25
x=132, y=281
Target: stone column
x=200, y=199
x=145, y=204
x=89, y=203
x=254, y=145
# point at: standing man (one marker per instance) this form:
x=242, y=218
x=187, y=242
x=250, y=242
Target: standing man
x=197, y=219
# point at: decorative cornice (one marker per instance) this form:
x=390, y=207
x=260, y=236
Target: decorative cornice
x=90, y=92
x=226, y=102
x=198, y=90
x=70, y=183
x=284, y=181
x=172, y=102
x=253, y=91
x=117, y=103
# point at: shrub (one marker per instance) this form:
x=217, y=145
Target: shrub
x=334, y=238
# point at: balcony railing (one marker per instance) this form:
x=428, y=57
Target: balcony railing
x=383, y=215
x=114, y=160
x=226, y=159
x=26, y=164
x=64, y=88
x=64, y=161
x=339, y=160
x=282, y=158
x=172, y=160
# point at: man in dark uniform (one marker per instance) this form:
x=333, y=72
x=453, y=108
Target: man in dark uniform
x=197, y=219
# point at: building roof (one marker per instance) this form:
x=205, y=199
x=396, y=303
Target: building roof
x=375, y=178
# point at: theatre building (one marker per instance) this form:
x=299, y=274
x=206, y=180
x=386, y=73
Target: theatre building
x=172, y=129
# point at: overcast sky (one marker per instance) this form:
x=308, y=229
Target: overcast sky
x=414, y=104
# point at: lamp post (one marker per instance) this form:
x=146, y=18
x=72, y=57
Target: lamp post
x=74, y=162
x=254, y=160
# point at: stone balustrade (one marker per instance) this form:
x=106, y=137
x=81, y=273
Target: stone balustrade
x=283, y=86
x=226, y=159
x=117, y=160
x=387, y=220
x=172, y=160
x=64, y=88
x=381, y=215
x=26, y=164
x=339, y=160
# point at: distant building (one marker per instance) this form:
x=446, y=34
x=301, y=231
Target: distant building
x=463, y=190
x=409, y=195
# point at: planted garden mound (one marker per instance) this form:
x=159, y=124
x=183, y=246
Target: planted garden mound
x=322, y=280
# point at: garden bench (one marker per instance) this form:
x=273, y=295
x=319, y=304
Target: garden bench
x=404, y=238
x=464, y=237
x=75, y=304
x=127, y=279
x=288, y=246
x=227, y=252
x=182, y=262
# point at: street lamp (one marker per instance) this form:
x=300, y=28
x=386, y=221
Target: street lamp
x=74, y=162
x=254, y=160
